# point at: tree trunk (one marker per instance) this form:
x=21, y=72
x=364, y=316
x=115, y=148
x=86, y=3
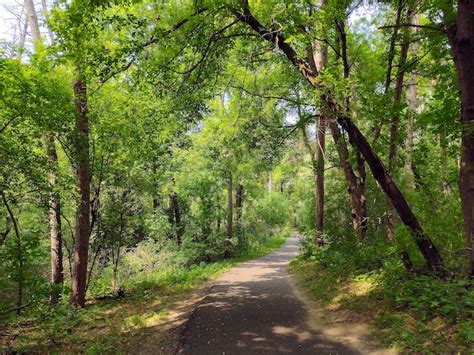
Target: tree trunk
x=355, y=190
x=391, y=57
x=33, y=22
x=356, y=184
x=395, y=125
x=318, y=58
x=412, y=108
x=444, y=162
x=57, y=277
x=461, y=38
x=397, y=97
x=317, y=162
x=424, y=243
x=229, y=227
x=230, y=215
x=44, y=5
x=83, y=177
x=321, y=144
x=177, y=218
x=239, y=198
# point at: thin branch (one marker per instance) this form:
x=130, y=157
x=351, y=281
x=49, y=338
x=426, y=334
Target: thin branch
x=5, y=126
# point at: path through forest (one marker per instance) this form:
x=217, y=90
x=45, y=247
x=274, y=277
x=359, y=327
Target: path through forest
x=255, y=309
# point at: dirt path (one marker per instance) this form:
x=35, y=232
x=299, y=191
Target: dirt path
x=255, y=309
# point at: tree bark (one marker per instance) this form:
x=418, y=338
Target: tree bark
x=57, y=272
x=317, y=58
x=319, y=156
x=229, y=227
x=44, y=5
x=461, y=37
x=230, y=215
x=424, y=243
x=397, y=97
x=355, y=184
x=83, y=177
x=395, y=123
x=57, y=277
x=177, y=218
x=239, y=198
x=317, y=167
x=444, y=162
x=412, y=108
x=355, y=189
x=391, y=57
x=33, y=22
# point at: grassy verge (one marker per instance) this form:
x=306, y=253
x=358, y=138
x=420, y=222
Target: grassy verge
x=421, y=315
x=112, y=325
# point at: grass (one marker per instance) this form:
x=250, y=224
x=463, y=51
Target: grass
x=411, y=317
x=115, y=325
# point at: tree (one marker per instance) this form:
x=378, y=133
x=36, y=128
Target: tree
x=460, y=31
x=54, y=198
x=424, y=243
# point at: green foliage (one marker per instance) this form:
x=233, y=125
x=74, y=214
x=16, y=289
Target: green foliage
x=181, y=96
x=156, y=276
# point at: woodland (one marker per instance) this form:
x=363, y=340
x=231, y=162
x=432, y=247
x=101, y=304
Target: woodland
x=145, y=145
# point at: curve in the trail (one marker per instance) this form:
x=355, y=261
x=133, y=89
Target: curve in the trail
x=253, y=309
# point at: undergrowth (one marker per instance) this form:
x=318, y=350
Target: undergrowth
x=412, y=312
x=109, y=324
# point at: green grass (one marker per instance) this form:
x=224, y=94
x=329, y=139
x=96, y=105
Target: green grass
x=113, y=325
x=420, y=315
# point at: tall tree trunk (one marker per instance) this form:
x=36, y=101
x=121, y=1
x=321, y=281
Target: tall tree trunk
x=33, y=22
x=239, y=198
x=391, y=57
x=44, y=6
x=444, y=162
x=317, y=165
x=355, y=184
x=230, y=214
x=230, y=226
x=317, y=58
x=57, y=277
x=320, y=148
x=83, y=178
x=176, y=211
x=412, y=108
x=57, y=273
x=21, y=42
x=461, y=38
x=355, y=190
x=397, y=98
x=395, y=124
x=424, y=243
x=321, y=57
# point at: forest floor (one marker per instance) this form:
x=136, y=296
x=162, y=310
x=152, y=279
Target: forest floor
x=363, y=300
x=149, y=319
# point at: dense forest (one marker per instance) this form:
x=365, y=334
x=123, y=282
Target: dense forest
x=145, y=144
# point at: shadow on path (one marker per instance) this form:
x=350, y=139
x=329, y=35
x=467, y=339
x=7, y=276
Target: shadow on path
x=253, y=309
